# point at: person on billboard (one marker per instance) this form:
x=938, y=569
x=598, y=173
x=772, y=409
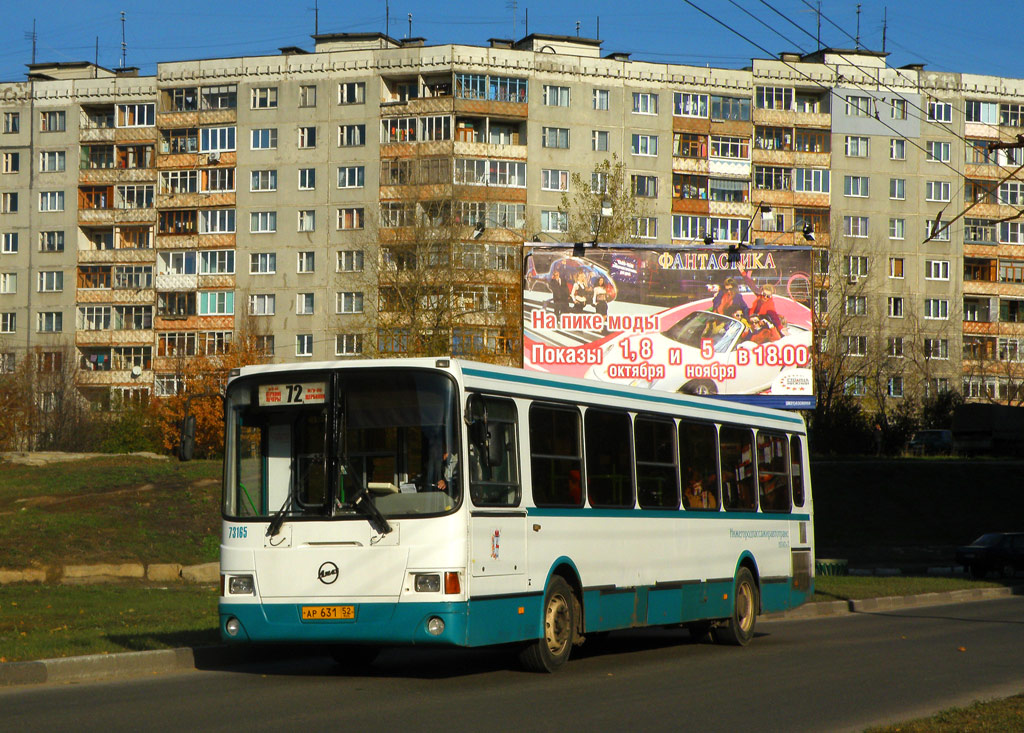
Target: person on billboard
x=727, y=298
x=763, y=304
x=559, y=294
x=764, y=330
x=601, y=296
x=578, y=294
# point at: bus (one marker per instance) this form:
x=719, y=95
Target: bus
x=375, y=503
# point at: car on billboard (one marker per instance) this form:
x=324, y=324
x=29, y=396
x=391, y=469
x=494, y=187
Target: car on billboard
x=705, y=352
x=562, y=278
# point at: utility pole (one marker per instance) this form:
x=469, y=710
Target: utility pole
x=32, y=37
x=124, y=46
x=885, y=26
x=857, y=41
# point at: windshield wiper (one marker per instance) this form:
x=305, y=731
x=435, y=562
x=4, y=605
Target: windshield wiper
x=364, y=504
x=278, y=520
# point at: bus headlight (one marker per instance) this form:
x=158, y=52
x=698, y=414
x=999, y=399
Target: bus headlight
x=241, y=585
x=428, y=583
x=435, y=626
x=232, y=626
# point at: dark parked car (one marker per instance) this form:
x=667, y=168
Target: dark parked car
x=1000, y=551
x=931, y=442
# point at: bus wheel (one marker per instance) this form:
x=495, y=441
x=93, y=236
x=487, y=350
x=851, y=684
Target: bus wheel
x=552, y=650
x=354, y=657
x=738, y=629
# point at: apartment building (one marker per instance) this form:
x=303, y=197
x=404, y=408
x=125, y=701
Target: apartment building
x=284, y=195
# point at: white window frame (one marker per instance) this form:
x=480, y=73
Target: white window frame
x=554, y=179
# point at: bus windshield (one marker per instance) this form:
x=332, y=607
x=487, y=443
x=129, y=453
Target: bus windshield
x=310, y=444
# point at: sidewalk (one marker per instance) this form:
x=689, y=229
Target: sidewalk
x=106, y=667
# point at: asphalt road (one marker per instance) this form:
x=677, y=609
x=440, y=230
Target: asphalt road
x=830, y=674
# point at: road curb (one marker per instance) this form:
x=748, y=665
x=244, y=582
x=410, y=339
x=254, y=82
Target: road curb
x=104, y=667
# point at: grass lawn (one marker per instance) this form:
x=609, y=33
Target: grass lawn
x=111, y=509
x=995, y=716
x=853, y=588
x=49, y=621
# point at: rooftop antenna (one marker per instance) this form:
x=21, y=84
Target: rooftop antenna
x=96, y=60
x=387, y=18
x=124, y=46
x=598, y=36
x=410, y=26
x=577, y=29
x=514, y=5
x=885, y=25
x=316, y=17
x=857, y=40
x=526, y=29
x=31, y=36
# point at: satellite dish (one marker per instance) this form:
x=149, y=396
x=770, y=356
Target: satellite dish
x=136, y=371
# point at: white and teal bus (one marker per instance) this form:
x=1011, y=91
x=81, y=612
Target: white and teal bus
x=437, y=501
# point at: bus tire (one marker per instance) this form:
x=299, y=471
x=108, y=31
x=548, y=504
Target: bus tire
x=354, y=657
x=738, y=629
x=551, y=651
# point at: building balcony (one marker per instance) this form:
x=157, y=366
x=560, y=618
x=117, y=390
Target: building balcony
x=120, y=296
x=732, y=128
x=701, y=125
x=217, y=241
x=140, y=337
x=110, y=217
x=802, y=198
x=802, y=159
x=216, y=282
x=493, y=107
x=487, y=150
x=194, y=200
x=135, y=134
x=729, y=167
x=96, y=135
x=690, y=165
x=179, y=161
x=729, y=208
x=112, y=378
x=420, y=106
x=195, y=118
x=425, y=192
x=116, y=256
x=699, y=207
x=175, y=281
x=177, y=241
x=100, y=176
x=782, y=197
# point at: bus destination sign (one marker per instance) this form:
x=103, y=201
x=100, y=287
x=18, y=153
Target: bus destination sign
x=304, y=393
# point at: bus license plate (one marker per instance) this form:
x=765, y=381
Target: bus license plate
x=328, y=613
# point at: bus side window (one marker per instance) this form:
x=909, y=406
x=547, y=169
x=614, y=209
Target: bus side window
x=796, y=458
x=773, y=471
x=657, y=480
x=493, y=453
x=609, y=459
x=555, y=459
x=698, y=452
x=737, y=455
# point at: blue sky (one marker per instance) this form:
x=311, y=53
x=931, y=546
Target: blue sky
x=945, y=35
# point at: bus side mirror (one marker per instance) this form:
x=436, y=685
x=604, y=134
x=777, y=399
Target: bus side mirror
x=187, y=444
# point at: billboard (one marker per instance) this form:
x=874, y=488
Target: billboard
x=697, y=320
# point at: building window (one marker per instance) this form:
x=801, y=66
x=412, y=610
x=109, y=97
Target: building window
x=8, y=203
x=646, y=227
x=8, y=322
x=897, y=228
x=773, y=98
x=895, y=307
x=262, y=263
x=856, y=305
x=939, y=348
x=898, y=109
x=598, y=182
x=855, y=226
x=349, y=302
x=894, y=388
x=307, y=179
x=307, y=96
x=601, y=99
x=348, y=344
x=856, y=346
x=264, y=181
x=9, y=245
x=352, y=136
x=264, y=97
x=730, y=108
x=897, y=188
x=304, y=344
x=352, y=176
x=136, y=115
x=351, y=218
x=51, y=201
x=940, y=111
x=855, y=386
x=894, y=347
x=8, y=283
x=307, y=220
x=645, y=103
x=857, y=147
x=352, y=93
x=936, y=309
x=936, y=191
x=645, y=145
x=304, y=304
x=350, y=260
x=264, y=138
x=263, y=222
x=50, y=322
x=10, y=163
x=812, y=180
x=896, y=268
x=937, y=152
x=555, y=137
x=12, y=122
x=51, y=281
x=857, y=106
x=855, y=186
x=599, y=140
x=936, y=270
x=730, y=147
x=307, y=137
x=217, y=262
x=554, y=180
x=556, y=96
x=221, y=139
x=52, y=161
x=644, y=186
x=554, y=221
x=306, y=262
x=52, y=121
x=262, y=305
x=856, y=265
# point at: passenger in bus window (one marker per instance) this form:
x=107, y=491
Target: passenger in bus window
x=448, y=466
x=696, y=496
